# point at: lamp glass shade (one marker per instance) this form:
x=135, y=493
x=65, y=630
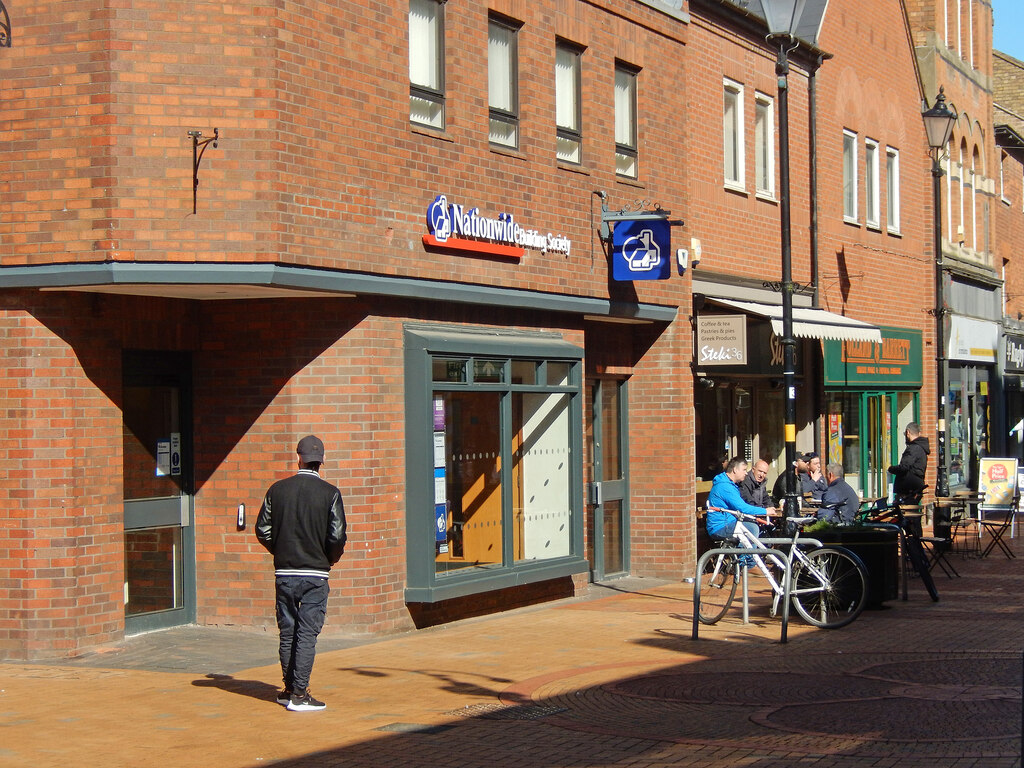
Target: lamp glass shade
x=799, y=19
x=938, y=123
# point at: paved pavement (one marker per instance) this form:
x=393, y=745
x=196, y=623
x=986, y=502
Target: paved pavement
x=611, y=679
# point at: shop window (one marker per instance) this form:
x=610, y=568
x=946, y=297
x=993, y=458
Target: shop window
x=494, y=461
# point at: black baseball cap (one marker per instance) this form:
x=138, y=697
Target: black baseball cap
x=310, y=448
x=808, y=456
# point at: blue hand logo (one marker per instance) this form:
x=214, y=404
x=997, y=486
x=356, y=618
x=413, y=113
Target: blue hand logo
x=439, y=218
x=641, y=253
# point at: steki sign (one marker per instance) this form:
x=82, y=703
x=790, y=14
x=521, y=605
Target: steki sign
x=459, y=228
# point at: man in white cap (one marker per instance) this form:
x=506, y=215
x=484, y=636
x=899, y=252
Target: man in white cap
x=302, y=524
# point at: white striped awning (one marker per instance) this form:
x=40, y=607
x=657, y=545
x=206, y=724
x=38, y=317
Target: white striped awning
x=808, y=323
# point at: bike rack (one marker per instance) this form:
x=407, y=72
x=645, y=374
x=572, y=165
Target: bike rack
x=778, y=557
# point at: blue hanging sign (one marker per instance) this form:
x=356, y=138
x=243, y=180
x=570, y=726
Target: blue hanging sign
x=642, y=250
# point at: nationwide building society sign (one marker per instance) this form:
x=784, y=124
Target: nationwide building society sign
x=456, y=227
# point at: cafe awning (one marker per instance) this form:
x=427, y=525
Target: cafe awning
x=808, y=323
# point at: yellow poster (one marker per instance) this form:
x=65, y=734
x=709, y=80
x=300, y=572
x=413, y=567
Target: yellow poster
x=998, y=481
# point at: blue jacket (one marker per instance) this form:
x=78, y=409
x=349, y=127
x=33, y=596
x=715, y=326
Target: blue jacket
x=725, y=494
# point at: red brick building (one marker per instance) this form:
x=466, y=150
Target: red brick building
x=860, y=212
x=1008, y=119
x=162, y=363
x=409, y=238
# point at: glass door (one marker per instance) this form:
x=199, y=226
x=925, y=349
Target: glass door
x=878, y=418
x=159, y=545
x=608, y=537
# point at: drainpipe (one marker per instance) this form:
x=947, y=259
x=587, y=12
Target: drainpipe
x=812, y=142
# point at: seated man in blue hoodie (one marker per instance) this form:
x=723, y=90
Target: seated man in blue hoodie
x=725, y=494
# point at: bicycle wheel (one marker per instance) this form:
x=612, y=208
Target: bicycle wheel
x=831, y=588
x=918, y=559
x=718, y=580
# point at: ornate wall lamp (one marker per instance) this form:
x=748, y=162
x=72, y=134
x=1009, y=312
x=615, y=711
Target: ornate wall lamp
x=199, y=145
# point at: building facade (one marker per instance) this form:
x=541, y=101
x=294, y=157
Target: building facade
x=390, y=244
x=429, y=233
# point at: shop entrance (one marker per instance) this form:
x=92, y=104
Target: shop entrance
x=608, y=537
x=969, y=419
x=159, y=543
x=865, y=435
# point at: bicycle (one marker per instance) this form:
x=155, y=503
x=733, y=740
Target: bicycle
x=829, y=586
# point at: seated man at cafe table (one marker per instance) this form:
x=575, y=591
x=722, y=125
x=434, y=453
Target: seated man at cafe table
x=839, y=503
x=725, y=495
x=813, y=482
x=754, y=488
x=797, y=471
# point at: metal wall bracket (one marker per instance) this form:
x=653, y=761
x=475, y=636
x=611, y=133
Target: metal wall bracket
x=198, y=148
x=5, y=26
x=638, y=212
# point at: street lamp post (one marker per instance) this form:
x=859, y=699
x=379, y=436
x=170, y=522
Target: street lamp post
x=789, y=21
x=938, y=124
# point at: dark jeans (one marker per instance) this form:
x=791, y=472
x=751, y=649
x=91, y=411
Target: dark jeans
x=301, y=607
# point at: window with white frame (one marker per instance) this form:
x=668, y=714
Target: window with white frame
x=764, y=144
x=892, y=197
x=426, y=62
x=625, y=120
x=1003, y=157
x=849, y=176
x=732, y=134
x=871, y=183
x=503, y=81
x=569, y=138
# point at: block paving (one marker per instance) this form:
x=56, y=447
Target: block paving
x=611, y=679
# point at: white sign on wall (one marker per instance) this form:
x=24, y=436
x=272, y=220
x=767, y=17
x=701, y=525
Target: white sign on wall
x=721, y=340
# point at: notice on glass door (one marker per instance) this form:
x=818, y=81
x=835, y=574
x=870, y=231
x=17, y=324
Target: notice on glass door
x=163, y=458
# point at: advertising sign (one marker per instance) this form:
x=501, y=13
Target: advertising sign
x=896, y=362
x=998, y=481
x=463, y=228
x=1013, y=353
x=642, y=250
x=721, y=340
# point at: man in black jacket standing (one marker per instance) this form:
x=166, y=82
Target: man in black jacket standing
x=909, y=473
x=302, y=524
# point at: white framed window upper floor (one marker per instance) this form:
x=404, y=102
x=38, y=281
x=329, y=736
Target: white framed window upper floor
x=733, y=167
x=764, y=145
x=1003, y=158
x=626, y=154
x=426, y=63
x=871, y=184
x=503, y=81
x=892, y=197
x=568, y=102
x=850, y=179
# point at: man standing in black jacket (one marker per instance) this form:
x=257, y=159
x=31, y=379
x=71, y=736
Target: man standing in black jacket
x=909, y=473
x=302, y=524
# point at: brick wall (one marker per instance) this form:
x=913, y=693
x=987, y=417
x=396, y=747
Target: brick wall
x=60, y=449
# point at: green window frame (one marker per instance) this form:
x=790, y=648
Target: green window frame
x=501, y=393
